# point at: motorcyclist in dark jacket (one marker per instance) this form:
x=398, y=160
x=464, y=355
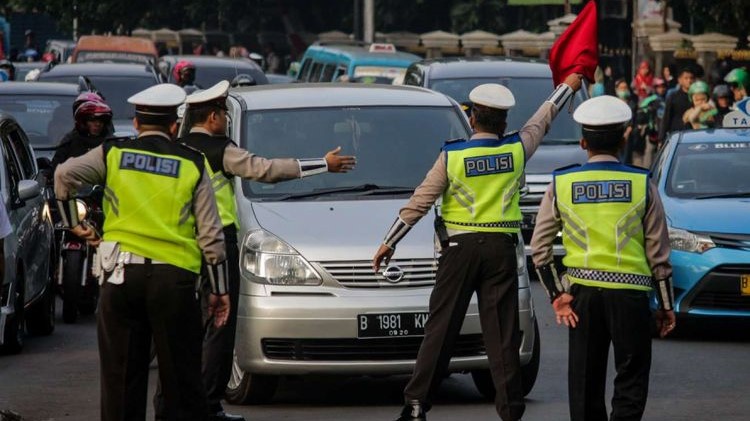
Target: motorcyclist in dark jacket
x=92, y=125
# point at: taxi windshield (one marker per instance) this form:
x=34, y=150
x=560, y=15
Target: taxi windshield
x=394, y=151
x=710, y=170
x=530, y=93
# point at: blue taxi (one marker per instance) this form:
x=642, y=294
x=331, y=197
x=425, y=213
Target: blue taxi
x=703, y=179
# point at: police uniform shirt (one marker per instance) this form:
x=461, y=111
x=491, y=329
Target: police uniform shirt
x=243, y=164
x=656, y=239
x=92, y=169
x=436, y=180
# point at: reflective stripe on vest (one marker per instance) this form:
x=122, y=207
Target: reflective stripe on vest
x=148, y=203
x=602, y=206
x=484, y=180
x=224, y=192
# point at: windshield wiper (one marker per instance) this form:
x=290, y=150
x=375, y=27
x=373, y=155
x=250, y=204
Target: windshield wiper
x=723, y=195
x=362, y=189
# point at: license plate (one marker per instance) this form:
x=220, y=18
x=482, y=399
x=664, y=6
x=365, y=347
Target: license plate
x=391, y=325
x=745, y=284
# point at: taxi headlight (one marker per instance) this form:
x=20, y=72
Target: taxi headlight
x=272, y=261
x=683, y=240
x=81, y=208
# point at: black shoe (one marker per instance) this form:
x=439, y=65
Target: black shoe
x=223, y=416
x=413, y=411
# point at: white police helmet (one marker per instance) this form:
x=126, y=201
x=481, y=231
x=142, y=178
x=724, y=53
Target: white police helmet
x=603, y=111
x=493, y=95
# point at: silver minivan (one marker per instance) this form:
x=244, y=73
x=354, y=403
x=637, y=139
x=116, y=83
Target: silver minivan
x=310, y=302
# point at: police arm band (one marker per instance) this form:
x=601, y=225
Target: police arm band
x=68, y=213
x=665, y=294
x=560, y=96
x=550, y=281
x=312, y=166
x=218, y=277
x=397, y=231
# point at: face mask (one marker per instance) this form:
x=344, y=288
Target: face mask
x=623, y=94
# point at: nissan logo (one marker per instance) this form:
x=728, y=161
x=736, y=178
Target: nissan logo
x=393, y=274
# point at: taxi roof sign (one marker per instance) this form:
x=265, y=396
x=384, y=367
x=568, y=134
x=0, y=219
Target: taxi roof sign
x=740, y=117
x=379, y=47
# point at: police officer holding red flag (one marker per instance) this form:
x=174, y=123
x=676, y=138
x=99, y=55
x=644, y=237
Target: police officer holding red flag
x=479, y=181
x=617, y=250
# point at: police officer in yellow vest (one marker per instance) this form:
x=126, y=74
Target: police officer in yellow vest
x=161, y=220
x=207, y=115
x=478, y=180
x=617, y=250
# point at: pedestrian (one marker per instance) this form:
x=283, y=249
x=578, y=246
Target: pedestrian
x=647, y=129
x=9, y=68
x=479, y=181
x=617, y=250
x=160, y=216
x=667, y=73
x=702, y=113
x=643, y=82
x=207, y=115
x=634, y=147
x=739, y=82
x=676, y=105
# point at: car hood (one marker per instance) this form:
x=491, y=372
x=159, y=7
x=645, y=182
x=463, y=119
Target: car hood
x=710, y=215
x=550, y=156
x=342, y=230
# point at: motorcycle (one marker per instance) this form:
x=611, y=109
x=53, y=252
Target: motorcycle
x=77, y=284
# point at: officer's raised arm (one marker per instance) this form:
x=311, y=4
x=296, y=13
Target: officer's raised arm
x=538, y=125
x=248, y=165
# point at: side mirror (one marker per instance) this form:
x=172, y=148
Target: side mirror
x=43, y=163
x=28, y=189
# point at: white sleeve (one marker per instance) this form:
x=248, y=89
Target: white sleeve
x=5, y=228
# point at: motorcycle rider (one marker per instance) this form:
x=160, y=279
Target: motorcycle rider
x=9, y=68
x=93, y=120
x=184, y=76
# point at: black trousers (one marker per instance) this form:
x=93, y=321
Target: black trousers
x=159, y=302
x=218, y=343
x=620, y=317
x=484, y=263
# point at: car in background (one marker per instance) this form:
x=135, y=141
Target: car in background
x=531, y=84
x=27, y=298
x=116, y=82
x=61, y=48
x=24, y=67
x=310, y=302
x=114, y=49
x=336, y=62
x=703, y=178
x=209, y=70
x=274, y=78
x=43, y=109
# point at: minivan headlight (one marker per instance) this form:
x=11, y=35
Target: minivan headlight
x=683, y=240
x=272, y=261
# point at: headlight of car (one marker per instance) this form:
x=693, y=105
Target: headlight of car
x=687, y=241
x=272, y=261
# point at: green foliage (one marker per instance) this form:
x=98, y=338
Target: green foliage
x=478, y=14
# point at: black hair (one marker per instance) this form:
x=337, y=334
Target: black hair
x=199, y=115
x=490, y=120
x=686, y=69
x=604, y=140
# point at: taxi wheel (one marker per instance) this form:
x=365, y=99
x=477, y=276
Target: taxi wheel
x=249, y=389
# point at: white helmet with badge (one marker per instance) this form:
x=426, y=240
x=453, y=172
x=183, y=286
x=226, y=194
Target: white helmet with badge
x=216, y=94
x=603, y=112
x=158, y=104
x=492, y=95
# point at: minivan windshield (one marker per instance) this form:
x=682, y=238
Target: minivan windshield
x=395, y=146
x=530, y=93
x=710, y=170
x=44, y=118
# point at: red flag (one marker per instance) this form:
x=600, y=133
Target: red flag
x=577, y=49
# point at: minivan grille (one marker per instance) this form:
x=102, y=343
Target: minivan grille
x=359, y=274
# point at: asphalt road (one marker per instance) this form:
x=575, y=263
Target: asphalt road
x=700, y=375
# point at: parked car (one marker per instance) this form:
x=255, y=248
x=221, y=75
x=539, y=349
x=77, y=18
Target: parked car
x=116, y=82
x=531, y=84
x=307, y=281
x=27, y=300
x=209, y=70
x=114, y=49
x=332, y=62
x=43, y=109
x=703, y=178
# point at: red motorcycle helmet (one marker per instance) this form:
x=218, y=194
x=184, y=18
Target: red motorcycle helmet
x=181, y=66
x=92, y=110
x=86, y=97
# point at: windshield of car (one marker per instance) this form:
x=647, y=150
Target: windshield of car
x=379, y=71
x=395, y=146
x=530, y=93
x=704, y=170
x=206, y=77
x=115, y=89
x=44, y=118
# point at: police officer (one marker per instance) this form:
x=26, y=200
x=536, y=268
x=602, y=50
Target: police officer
x=617, y=250
x=207, y=115
x=157, y=197
x=478, y=180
